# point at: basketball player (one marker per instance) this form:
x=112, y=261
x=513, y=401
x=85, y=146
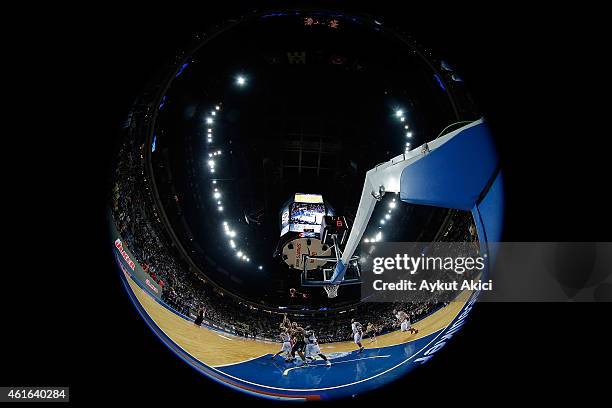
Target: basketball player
x=297, y=335
x=286, y=323
x=404, y=321
x=201, y=312
x=286, y=347
x=357, y=334
x=312, y=347
x=371, y=329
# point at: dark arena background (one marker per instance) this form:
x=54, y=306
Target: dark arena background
x=83, y=331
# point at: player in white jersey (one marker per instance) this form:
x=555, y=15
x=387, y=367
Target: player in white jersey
x=404, y=321
x=357, y=334
x=312, y=347
x=286, y=347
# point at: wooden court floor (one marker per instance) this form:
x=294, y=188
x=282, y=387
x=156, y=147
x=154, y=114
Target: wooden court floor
x=217, y=348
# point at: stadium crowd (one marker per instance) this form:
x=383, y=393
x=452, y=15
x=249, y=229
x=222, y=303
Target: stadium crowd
x=138, y=224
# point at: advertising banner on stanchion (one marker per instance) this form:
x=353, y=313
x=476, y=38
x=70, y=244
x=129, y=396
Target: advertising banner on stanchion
x=129, y=265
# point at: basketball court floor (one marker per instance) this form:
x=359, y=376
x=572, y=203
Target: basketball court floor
x=246, y=364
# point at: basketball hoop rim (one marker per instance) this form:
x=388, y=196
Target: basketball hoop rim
x=331, y=290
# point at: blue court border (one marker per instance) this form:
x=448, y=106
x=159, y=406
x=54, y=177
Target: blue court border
x=223, y=375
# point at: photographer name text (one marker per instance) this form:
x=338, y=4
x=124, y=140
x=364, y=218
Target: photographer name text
x=436, y=286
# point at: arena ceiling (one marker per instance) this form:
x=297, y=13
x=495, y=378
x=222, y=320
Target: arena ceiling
x=282, y=104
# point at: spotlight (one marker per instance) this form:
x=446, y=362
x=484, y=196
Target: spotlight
x=399, y=113
x=209, y=120
x=217, y=195
x=240, y=80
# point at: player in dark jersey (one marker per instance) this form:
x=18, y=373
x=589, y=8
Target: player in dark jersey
x=201, y=312
x=297, y=335
x=286, y=323
x=372, y=329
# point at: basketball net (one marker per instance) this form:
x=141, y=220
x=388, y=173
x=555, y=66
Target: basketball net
x=331, y=290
